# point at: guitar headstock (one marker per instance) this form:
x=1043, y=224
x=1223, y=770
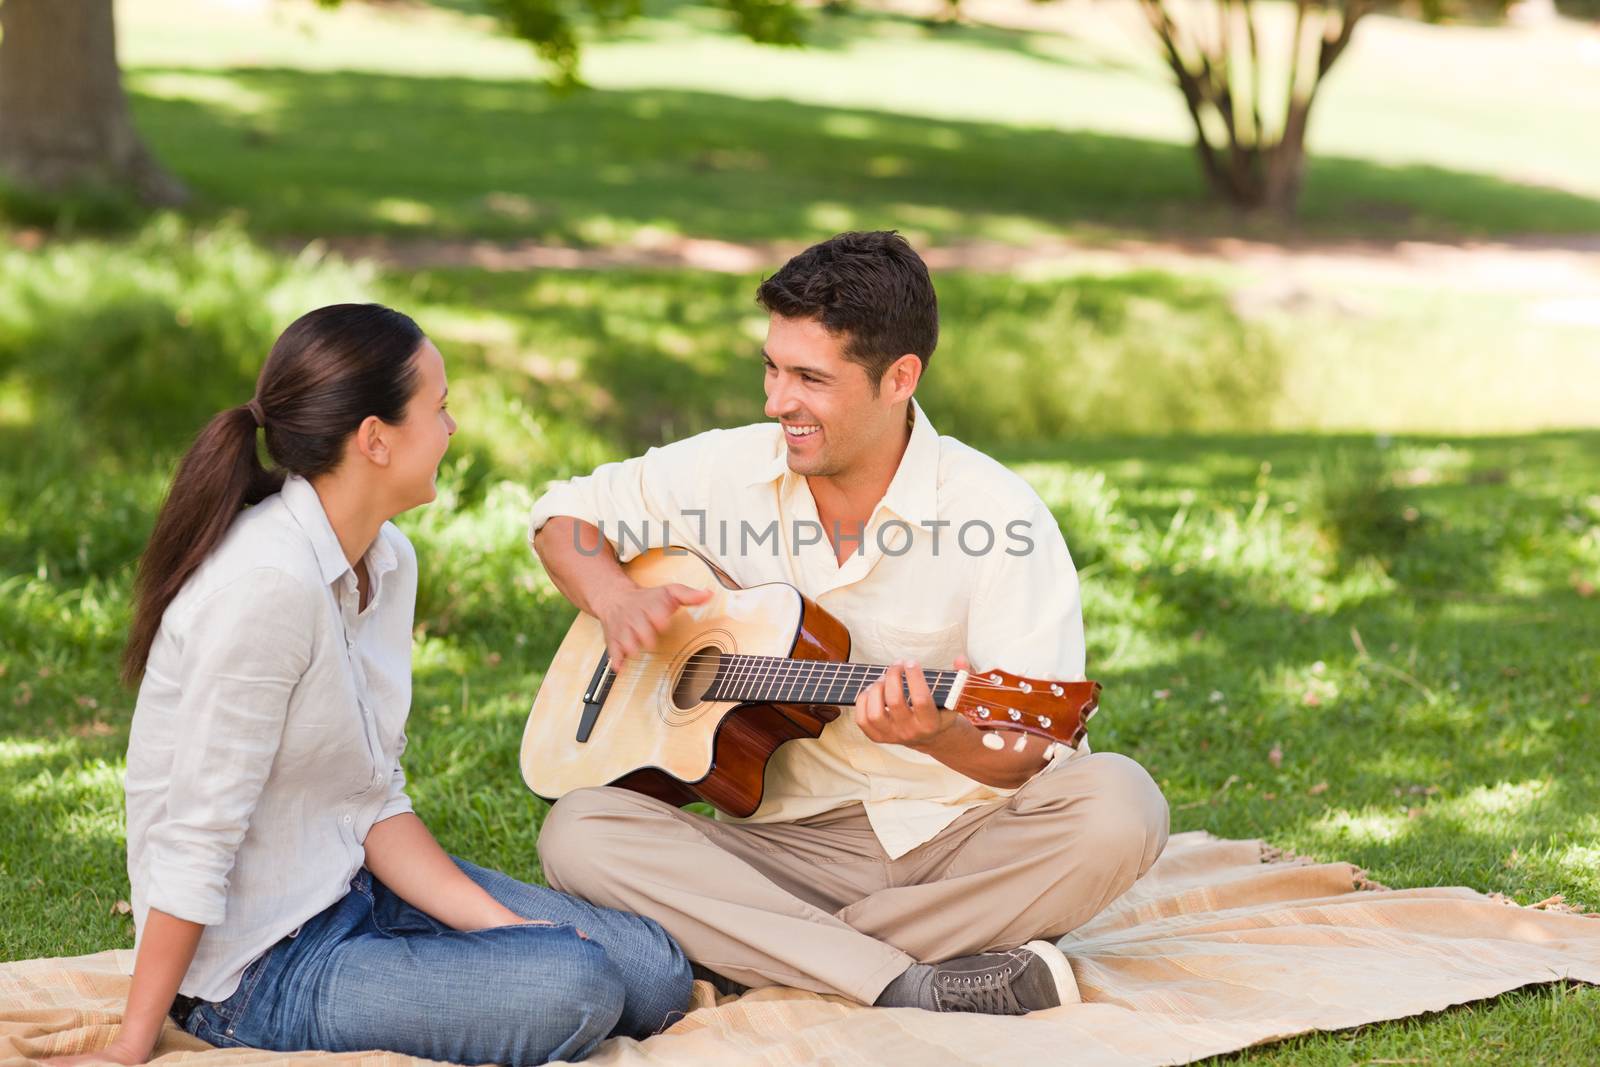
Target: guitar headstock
x=1056, y=711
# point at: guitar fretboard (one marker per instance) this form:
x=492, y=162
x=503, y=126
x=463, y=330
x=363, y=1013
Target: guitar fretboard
x=777, y=680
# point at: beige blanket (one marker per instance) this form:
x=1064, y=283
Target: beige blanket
x=1222, y=945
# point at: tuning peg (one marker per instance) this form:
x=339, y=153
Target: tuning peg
x=1016, y=716
x=1044, y=721
x=1056, y=690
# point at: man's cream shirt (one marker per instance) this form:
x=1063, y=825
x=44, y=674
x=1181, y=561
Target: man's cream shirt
x=960, y=555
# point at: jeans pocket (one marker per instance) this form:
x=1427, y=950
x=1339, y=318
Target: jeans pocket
x=226, y=1017
x=208, y=1026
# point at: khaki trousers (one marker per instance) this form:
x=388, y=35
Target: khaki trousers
x=816, y=904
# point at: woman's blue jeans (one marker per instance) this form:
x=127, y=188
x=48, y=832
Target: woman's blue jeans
x=372, y=972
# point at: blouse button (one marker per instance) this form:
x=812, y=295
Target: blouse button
x=347, y=820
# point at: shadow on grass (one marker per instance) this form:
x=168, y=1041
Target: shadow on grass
x=346, y=153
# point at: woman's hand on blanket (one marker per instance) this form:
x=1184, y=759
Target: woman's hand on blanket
x=112, y=1053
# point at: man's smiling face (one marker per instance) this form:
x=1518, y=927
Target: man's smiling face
x=832, y=413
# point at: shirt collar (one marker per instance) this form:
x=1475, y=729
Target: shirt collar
x=913, y=492
x=776, y=467
x=305, y=506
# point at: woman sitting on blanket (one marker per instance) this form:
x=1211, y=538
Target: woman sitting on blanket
x=285, y=895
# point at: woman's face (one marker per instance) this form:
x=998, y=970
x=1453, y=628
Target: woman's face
x=419, y=442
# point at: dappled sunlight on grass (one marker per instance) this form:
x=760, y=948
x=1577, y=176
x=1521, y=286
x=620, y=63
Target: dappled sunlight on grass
x=1581, y=860
x=1362, y=828
x=1510, y=104
x=15, y=754
x=1416, y=699
x=348, y=152
x=216, y=90
x=1507, y=800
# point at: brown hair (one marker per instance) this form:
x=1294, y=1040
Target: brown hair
x=326, y=373
x=872, y=288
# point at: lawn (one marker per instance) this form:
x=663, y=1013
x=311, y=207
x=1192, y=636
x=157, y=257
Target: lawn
x=410, y=120
x=1380, y=649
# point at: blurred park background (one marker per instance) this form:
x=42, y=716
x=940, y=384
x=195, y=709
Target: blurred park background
x=1323, y=441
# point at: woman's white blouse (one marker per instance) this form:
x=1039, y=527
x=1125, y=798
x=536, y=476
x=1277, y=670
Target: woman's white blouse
x=267, y=735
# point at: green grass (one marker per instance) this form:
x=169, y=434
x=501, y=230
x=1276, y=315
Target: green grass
x=1409, y=622
x=316, y=123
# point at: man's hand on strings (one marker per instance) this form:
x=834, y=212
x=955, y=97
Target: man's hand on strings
x=898, y=708
x=634, y=617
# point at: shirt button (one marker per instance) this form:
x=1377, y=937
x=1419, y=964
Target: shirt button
x=347, y=820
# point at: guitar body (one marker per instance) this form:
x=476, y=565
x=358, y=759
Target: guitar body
x=651, y=731
x=728, y=682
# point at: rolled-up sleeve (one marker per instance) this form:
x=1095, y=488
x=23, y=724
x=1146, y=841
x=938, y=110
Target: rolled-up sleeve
x=638, y=502
x=1026, y=616
x=397, y=802
x=237, y=672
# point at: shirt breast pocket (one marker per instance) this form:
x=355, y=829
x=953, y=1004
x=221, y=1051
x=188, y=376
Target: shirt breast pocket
x=927, y=648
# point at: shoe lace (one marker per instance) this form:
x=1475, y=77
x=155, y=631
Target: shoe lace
x=987, y=992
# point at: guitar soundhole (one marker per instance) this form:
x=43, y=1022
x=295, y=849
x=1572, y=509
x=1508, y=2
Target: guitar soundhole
x=699, y=671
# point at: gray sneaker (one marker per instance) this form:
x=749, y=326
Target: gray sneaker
x=1031, y=978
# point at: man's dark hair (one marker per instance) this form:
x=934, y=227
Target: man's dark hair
x=872, y=289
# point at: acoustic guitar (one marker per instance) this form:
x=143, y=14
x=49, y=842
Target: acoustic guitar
x=728, y=682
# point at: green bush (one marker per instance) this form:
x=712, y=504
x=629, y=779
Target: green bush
x=1146, y=352
x=139, y=342
x=88, y=207
x=1579, y=9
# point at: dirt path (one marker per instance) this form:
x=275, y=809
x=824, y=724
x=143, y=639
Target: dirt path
x=1563, y=273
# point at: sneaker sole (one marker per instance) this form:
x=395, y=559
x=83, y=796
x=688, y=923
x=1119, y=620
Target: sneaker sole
x=1060, y=970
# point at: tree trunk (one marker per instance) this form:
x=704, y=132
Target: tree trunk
x=1286, y=164
x=64, y=121
x=1285, y=174
x=1251, y=168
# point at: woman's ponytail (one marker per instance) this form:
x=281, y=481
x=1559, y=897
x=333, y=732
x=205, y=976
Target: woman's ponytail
x=219, y=475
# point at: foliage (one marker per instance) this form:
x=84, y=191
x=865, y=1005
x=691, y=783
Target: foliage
x=555, y=28
x=70, y=211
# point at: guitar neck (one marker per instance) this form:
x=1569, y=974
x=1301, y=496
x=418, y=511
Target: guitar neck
x=777, y=680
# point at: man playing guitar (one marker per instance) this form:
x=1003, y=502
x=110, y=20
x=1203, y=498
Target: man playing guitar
x=902, y=858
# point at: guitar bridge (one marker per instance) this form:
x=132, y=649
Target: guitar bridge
x=594, y=696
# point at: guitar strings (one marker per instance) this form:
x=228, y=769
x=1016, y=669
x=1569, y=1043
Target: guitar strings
x=755, y=663
x=775, y=668
x=765, y=669
x=649, y=678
